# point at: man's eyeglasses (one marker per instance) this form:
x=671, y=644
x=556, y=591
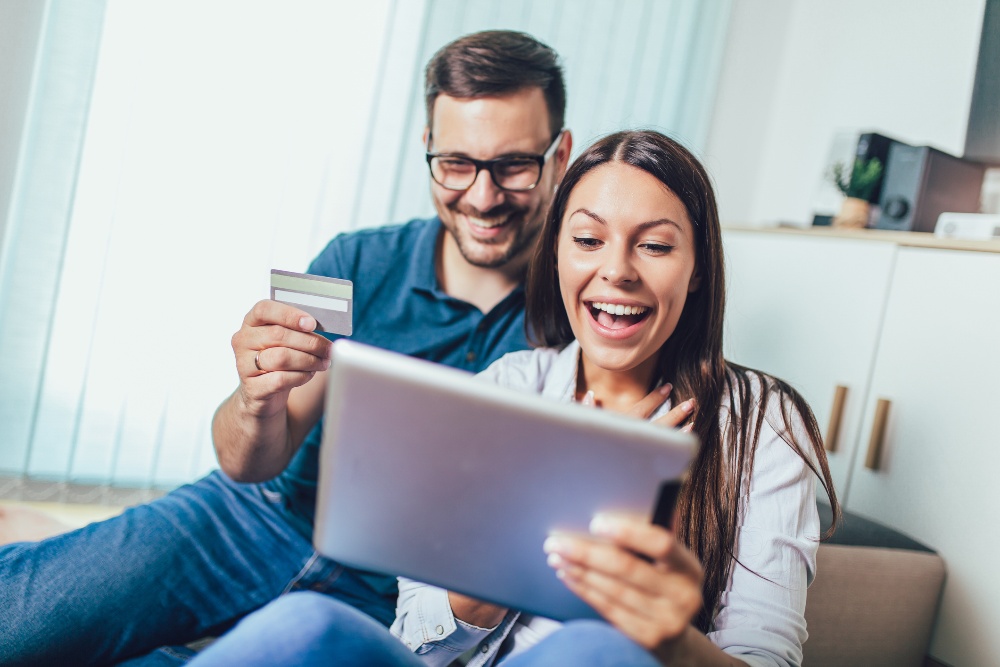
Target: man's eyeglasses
x=516, y=173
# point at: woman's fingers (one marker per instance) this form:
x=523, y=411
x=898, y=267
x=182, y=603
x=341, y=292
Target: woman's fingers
x=648, y=405
x=638, y=577
x=640, y=559
x=653, y=542
x=649, y=620
x=679, y=414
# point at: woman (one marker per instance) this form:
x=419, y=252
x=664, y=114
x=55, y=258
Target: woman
x=625, y=297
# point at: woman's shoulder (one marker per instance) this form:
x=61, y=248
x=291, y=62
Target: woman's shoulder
x=526, y=370
x=755, y=397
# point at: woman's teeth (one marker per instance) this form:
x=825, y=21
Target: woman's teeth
x=619, y=309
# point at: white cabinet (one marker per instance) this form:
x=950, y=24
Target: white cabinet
x=809, y=313
x=920, y=329
x=938, y=364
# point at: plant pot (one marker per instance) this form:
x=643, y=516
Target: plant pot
x=853, y=214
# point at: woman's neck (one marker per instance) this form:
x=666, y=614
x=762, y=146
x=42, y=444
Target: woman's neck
x=617, y=391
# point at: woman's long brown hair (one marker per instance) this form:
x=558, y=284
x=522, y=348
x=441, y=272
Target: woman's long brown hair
x=708, y=507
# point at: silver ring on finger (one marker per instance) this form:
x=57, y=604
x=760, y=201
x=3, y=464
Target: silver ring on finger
x=256, y=361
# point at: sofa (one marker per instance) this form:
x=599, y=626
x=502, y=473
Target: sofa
x=874, y=598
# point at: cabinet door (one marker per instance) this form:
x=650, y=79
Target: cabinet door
x=808, y=310
x=939, y=364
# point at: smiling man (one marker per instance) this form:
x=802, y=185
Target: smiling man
x=446, y=289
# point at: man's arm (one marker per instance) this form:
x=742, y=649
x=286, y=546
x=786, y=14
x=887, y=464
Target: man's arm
x=281, y=365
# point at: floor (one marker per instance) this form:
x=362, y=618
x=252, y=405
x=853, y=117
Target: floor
x=31, y=508
x=71, y=514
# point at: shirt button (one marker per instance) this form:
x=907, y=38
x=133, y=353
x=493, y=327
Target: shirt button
x=470, y=356
x=485, y=648
x=439, y=629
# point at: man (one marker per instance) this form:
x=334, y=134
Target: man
x=447, y=289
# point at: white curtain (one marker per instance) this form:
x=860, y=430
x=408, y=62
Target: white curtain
x=224, y=138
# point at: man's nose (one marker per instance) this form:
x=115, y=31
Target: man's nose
x=484, y=194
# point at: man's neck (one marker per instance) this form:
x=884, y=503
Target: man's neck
x=484, y=288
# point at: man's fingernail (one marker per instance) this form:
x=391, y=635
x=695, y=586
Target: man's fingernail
x=307, y=323
x=688, y=405
x=688, y=428
x=666, y=389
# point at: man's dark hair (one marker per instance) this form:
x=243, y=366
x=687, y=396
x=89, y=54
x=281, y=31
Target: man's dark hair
x=496, y=62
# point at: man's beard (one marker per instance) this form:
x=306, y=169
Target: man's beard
x=489, y=255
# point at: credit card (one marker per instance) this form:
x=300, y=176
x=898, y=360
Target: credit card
x=329, y=300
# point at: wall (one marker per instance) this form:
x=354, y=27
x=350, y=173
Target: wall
x=20, y=30
x=795, y=73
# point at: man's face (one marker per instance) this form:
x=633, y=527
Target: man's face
x=490, y=226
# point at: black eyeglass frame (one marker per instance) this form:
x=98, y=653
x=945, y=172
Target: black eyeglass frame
x=489, y=164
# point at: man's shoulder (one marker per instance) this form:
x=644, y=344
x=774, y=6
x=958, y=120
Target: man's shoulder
x=379, y=245
x=397, y=232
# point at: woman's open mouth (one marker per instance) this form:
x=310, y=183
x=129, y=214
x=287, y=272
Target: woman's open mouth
x=617, y=316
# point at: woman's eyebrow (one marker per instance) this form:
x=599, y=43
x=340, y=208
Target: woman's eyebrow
x=642, y=225
x=589, y=213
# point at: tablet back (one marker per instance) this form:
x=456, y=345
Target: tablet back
x=429, y=473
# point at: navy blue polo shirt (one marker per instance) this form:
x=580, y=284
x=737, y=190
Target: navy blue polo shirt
x=399, y=306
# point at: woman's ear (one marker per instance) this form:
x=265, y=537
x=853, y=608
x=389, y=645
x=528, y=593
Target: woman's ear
x=695, y=281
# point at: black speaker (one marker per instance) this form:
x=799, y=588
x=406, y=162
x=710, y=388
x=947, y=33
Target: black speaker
x=921, y=183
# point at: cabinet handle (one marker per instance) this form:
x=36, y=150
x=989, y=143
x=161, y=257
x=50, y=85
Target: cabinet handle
x=836, y=415
x=874, y=457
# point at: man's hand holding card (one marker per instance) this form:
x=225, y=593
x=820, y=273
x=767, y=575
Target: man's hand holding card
x=329, y=300
x=275, y=348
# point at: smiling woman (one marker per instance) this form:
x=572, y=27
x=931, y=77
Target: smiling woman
x=626, y=258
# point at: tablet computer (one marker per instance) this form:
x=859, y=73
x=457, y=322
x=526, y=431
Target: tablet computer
x=429, y=473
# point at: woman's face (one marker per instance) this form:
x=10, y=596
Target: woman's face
x=626, y=262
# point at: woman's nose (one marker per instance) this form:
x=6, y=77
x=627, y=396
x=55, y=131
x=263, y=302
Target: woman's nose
x=617, y=268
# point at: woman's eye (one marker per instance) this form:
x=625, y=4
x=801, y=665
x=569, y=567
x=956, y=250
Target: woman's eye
x=656, y=248
x=586, y=242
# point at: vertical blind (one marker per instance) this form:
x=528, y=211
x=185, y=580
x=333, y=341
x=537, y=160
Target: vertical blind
x=222, y=139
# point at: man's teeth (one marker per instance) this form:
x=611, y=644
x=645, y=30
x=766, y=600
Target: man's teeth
x=619, y=309
x=486, y=224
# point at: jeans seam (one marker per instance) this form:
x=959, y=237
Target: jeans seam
x=302, y=573
x=174, y=654
x=317, y=585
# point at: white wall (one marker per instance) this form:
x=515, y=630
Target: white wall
x=20, y=30
x=796, y=72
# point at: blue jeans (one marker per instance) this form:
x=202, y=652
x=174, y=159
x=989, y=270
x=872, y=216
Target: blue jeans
x=183, y=567
x=309, y=630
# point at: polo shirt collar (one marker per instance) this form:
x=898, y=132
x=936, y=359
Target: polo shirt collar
x=423, y=263
x=423, y=267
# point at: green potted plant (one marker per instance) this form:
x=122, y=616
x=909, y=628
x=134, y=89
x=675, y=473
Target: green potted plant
x=857, y=187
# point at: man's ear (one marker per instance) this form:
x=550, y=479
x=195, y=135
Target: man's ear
x=563, y=153
x=426, y=136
